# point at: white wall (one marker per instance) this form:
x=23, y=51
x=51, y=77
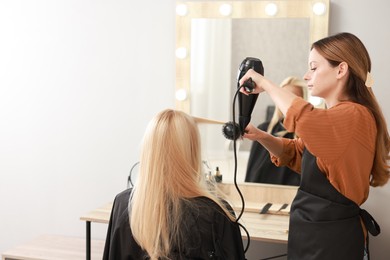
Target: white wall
x=79, y=80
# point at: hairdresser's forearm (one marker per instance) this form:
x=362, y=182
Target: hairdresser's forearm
x=281, y=97
x=273, y=144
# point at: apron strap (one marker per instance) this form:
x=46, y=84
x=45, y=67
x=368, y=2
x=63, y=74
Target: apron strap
x=370, y=223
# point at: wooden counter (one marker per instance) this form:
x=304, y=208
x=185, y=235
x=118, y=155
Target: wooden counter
x=271, y=226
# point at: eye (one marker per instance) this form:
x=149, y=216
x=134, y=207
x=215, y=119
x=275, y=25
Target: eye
x=313, y=69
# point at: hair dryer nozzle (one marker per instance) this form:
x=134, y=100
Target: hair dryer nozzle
x=231, y=131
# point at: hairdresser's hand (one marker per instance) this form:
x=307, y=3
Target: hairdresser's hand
x=257, y=78
x=273, y=144
x=253, y=133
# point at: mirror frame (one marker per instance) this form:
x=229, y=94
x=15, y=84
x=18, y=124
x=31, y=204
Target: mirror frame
x=238, y=9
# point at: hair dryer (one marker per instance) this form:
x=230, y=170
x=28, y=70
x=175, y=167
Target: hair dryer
x=245, y=103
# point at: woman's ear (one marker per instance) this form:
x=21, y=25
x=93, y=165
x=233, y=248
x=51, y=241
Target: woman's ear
x=342, y=70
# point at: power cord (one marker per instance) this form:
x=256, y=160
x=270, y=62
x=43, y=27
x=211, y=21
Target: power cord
x=235, y=171
x=235, y=178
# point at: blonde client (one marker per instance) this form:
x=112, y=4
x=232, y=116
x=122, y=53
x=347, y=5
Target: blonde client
x=171, y=213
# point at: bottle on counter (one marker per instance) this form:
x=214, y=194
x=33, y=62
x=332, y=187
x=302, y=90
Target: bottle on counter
x=217, y=175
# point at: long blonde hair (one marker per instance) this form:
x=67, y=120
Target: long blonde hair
x=278, y=115
x=346, y=47
x=170, y=174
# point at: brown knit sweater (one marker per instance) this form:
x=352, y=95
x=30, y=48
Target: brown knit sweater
x=343, y=140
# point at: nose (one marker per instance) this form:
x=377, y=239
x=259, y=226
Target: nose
x=306, y=76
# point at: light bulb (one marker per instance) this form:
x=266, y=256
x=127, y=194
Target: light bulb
x=319, y=8
x=315, y=101
x=181, y=94
x=271, y=9
x=181, y=53
x=225, y=9
x=181, y=10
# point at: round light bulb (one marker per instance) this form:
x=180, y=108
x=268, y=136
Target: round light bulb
x=181, y=94
x=319, y=8
x=225, y=9
x=271, y=9
x=315, y=101
x=181, y=10
x=181, y=53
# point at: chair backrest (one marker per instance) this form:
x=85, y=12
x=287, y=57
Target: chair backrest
x=133, y=174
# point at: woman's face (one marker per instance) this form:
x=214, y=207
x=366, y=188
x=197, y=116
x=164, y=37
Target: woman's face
x=321, y=77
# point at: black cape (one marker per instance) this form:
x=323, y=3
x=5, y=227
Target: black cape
x=211, y=234
x=261, y=169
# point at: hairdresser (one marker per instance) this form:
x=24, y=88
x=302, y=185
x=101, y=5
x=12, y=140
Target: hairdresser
x=340, y=151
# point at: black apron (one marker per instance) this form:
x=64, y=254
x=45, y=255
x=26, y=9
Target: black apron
x=324, y=224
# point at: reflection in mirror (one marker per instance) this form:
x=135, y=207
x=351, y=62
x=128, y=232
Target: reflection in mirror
x=214, y=37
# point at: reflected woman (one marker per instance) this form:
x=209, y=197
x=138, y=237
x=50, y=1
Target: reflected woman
x=260, y=168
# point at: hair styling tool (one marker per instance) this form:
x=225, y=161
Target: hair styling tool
x=246, y=103
x=232, y=130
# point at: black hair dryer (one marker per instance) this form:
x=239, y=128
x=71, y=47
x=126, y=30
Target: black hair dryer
x=246, y=103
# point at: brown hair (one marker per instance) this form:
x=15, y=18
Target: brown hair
x=346, y=47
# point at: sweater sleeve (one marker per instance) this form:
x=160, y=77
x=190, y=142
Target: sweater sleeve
x=327, y=133
x=292, y=154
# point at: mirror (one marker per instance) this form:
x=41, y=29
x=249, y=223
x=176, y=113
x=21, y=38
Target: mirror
x=212, y=38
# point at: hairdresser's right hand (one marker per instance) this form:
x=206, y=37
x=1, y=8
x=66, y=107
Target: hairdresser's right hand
x=253, y=133
x=272, y=143
x=257, y=78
